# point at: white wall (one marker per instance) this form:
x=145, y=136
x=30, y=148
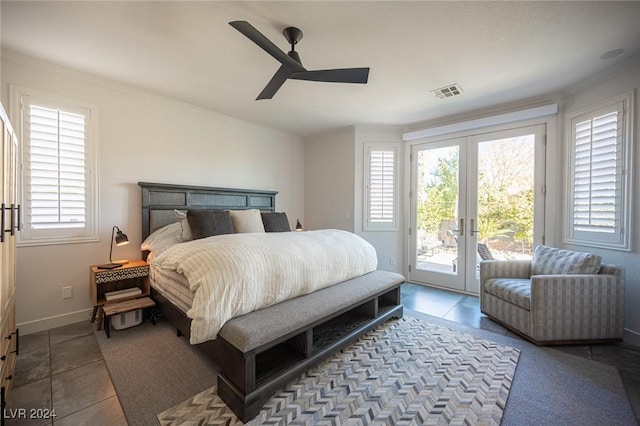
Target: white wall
x=613, y=86
x=334, y=176
x=329, y=180
x=143, y=137
x=389, y=244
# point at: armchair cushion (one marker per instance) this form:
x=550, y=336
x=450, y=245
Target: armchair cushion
x=554, y=261
x=513, y=290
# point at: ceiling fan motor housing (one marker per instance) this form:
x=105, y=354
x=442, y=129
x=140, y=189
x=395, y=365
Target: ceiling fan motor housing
x=292, y=34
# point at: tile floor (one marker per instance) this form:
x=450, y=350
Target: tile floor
x=62, y=369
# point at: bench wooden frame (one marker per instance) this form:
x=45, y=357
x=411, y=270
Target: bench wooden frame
x=247, y=379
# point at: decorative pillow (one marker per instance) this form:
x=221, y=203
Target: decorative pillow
x=554, y=261
x=207, y=223
x=275, y=222
x=246, y=220
x=185, y=234
x=163, y=238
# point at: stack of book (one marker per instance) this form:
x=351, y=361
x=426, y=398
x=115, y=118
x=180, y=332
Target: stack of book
x=121, y=294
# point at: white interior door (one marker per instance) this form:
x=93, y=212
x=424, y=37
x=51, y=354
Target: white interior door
x=475, y=197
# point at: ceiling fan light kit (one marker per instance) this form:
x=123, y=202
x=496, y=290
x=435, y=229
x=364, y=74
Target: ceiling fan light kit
x=291, y=64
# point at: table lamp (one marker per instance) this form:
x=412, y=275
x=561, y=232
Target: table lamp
x=120, y=239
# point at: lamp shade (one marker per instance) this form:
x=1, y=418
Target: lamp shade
x=121, y=238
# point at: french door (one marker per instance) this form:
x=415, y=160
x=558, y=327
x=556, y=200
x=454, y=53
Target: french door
x=472, y=198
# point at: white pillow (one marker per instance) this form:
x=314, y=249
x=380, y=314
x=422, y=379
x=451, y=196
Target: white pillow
x=163, y=238
x=246, y=220
x=186, y=234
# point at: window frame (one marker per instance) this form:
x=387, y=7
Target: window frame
x=368, y=224
x=620, y=238
x=21, y=99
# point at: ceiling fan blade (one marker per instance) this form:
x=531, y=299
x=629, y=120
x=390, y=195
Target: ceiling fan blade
x=267, y=45
x=275, y=83
x=343, y=75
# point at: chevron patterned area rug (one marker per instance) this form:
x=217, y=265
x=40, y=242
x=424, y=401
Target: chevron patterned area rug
x=404, y=372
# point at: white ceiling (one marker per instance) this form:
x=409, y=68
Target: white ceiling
x=497, y=52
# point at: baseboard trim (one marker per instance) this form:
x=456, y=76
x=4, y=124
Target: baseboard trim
x=631, y=337
x=30, y=327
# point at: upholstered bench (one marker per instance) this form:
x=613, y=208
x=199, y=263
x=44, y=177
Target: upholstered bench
x=260, y=352
x=559, y=297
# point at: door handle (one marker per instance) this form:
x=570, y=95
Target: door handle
x=472, y=230
x=12, y=230
x=14, y=220
x=460, y=229
x=2, y=222
x=19, y=226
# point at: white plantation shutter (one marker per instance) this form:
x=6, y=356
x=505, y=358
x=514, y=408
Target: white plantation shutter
x=381, y=188
x=59, y=186
x=56, y=168
x=598, y=205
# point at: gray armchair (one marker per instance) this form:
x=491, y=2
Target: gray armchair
x=558, y=297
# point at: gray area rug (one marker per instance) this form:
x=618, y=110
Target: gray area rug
x=404, y=371
x=153, y=371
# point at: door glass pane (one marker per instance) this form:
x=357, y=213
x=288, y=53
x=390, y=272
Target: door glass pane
x=505, y=198
x=437, y=209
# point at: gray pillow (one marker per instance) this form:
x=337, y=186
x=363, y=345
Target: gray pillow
x=275, y=222
x=207, y=223
x=554, y=261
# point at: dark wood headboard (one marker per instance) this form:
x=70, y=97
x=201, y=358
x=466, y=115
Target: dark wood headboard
x=159, y=201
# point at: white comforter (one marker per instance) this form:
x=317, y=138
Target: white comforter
x=236, y=274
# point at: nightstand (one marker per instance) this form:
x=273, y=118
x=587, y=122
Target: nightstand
x=107, y=286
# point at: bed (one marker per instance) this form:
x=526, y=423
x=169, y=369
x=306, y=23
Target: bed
x=262, y=346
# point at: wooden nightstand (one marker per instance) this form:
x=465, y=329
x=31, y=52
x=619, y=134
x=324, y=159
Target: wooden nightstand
x=130, y=275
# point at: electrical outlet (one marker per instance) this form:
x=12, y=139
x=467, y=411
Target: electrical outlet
x=392, y=261
x=67, y=292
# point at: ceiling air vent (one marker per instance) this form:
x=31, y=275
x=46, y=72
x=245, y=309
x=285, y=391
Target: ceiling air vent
x=447, y=91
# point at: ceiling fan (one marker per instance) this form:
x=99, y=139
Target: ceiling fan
x=291, y=65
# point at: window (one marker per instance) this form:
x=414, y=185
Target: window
x=599, y=175
x=380, y=191
x=59, y=189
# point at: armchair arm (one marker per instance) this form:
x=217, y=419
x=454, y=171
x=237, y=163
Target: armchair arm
x=504, y=269
x=567, y=307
